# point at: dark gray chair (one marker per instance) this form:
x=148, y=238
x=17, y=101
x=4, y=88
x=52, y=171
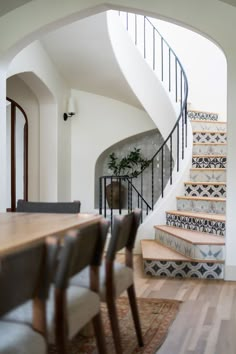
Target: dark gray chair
x=26, y=276
x=48, y=207
x=76, y=306
x=115, y=277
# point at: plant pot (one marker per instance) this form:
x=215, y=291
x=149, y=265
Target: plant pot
x=116, y=195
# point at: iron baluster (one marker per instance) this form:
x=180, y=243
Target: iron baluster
x=100, y=195
x=105, y=198
x=162, y=172
x=154, y=49
x=171, y=159
x=169, y=70
x=178, y=147
x=144, y=37
x=182, y=119
x=176, y=81
x=152, y=174
x=162, y=60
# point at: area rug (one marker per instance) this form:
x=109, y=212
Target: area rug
x=156, y=316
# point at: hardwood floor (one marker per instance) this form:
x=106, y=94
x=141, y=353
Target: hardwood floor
x=206, y=323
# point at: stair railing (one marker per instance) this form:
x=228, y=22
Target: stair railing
x=149, y=184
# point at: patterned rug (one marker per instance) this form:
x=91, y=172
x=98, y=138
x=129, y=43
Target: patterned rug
x=156, y=316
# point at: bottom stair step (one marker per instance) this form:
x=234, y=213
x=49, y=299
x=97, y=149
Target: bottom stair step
x=161, y=261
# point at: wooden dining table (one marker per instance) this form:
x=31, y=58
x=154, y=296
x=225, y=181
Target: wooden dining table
x=21, y=230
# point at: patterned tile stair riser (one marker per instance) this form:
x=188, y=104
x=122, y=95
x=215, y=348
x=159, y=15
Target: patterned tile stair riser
x=212, y=126
x=207, y=175
x=195, y=251
x=197, y=224
x=202, y=206
x=197, y=115
x=205, y=190
x=209, y=137
x=209, y=149
x=179, y=269
x=209, y=161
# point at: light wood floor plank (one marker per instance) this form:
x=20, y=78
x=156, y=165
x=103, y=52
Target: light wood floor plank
x=206, y=322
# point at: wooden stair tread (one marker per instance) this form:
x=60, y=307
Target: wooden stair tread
x=208, y=216
x=194, y=237
x=207, y=156
x=207, y=169
x=208, y=121
x=199, y=111
x=152, y=250
x=207, y=199
x=206, y=183
x=218, y=144
x=209, y=132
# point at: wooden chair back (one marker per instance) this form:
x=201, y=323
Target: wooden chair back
x=81, y=248
x=123, y=233
x=26, y=275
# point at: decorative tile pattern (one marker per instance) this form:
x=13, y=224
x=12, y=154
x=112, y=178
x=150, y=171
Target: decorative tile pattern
x=202, y=115
x=209, y=137
x=213, y=126
x=196, y=224
x=208, y=176
x=183, y=269
x=205, y=190
x=209, y=162
x=202, y=206
x=209, y=149
x=204, y=252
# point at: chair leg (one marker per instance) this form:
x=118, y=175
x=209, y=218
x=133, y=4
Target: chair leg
x=60, y=323
x=134, y=310
x=114, y=324
x=99, y=333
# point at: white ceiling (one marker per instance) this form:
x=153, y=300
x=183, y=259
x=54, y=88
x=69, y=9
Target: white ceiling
x=83, y=54
x=9, y=5
x=230, y=2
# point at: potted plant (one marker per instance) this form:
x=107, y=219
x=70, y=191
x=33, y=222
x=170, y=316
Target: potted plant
x=128, y=166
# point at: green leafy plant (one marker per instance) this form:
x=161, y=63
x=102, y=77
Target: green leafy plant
x=130, y=165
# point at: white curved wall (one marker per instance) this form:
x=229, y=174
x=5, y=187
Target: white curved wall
x=145, y=85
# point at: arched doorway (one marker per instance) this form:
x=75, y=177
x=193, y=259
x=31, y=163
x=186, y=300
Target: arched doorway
x=17, y=154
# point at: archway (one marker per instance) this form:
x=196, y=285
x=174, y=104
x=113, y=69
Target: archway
x=17, y=153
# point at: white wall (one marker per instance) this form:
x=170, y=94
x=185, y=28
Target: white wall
x=204, y=64
x=101, y=122
x=42, y=77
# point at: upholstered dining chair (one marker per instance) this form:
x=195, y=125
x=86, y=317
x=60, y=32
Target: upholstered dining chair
x=26, y=276
x=48, y=207
x=70, y=308
x=115, y=277
x=76, y=306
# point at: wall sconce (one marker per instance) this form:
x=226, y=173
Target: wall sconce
x=70, y=109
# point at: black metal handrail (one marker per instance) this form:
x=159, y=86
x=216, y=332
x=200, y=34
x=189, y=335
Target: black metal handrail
x=171, y=73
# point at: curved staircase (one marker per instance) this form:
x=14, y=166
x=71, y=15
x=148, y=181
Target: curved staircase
x=191, y=244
